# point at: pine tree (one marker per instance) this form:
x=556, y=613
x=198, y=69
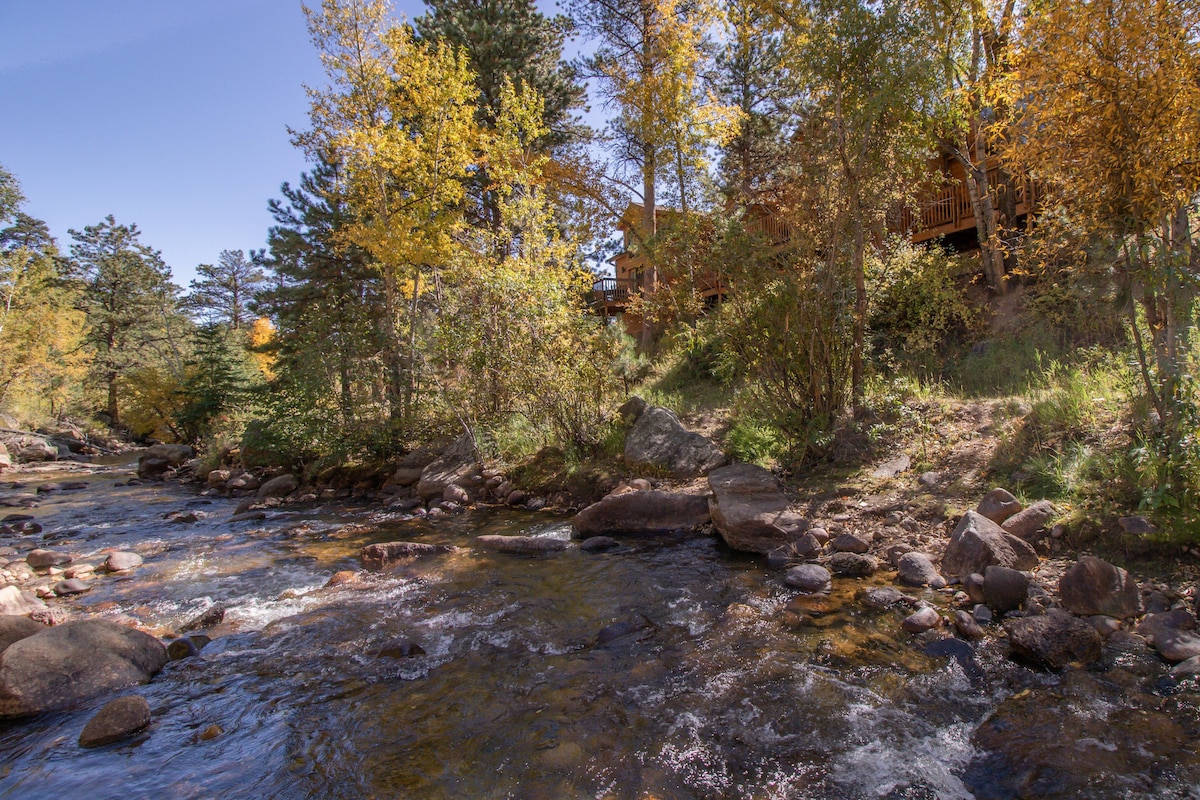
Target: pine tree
x=129, y=301
x=223, y=292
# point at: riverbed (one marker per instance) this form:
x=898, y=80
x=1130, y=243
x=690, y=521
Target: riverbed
x=475, y=674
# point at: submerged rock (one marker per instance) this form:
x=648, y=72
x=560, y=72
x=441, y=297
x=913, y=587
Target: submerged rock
x=596, y=544
x=522, y=545
x=637, y=513
x=386, y=552
x=636, y=625
x=117, y=719
x=208, y=618
x=923, y=619
x=809, y=578
x=401, y=648
x=60, y=666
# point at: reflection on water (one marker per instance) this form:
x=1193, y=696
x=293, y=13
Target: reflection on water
x=721, y=691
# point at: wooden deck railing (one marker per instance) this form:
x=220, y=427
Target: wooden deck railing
x=612, y=291
x=947, y=209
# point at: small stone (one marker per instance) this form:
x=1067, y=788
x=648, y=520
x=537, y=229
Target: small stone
x=973, y=586
x=401, y=648
x=1175, y=645
x=183, y=647
x=121, y=561
x=79, y=571
x=211, y=732
x=884, y=596
x=116, y=720
x=44, y=559
x=916, y=569
x=809, y=578
x=342, y=577
x=70, y=587
x=930, y=478
x=967, y=626
x=998, y=505
x=456, y=494
x=820, y=534
x=1137, y=526
x=851, y=543
x=1105, y=626
x=213, y=615
x=982, y=614
x=921, y=620
x=852, y=565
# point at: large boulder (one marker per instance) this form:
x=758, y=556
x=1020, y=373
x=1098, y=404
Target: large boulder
x=14, y=627
x=280, y=486
x=1093, y=586
x=635, y=513
x=658, y=439
x=978, y=543
x=750, y=511
x=459, y=464
x=34, y=448
x=60, y=666
x=175, y=454
x=409, y=468
x=1053, y=640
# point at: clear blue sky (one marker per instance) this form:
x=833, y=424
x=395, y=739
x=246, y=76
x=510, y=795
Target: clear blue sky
x=171, y=114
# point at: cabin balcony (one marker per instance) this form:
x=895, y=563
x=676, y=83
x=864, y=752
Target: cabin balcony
x=610, y=296
x=947, y=210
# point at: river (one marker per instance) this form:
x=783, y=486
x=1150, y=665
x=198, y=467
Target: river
x=725, y=686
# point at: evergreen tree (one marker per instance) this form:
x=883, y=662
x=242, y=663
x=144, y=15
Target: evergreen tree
x=223, y=292
x=218, y=379
x=325, y=293
x=129, y=301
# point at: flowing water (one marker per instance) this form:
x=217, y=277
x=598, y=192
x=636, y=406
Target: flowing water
x=723, y=686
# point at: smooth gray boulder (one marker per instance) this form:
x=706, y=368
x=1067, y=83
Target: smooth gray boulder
x=916, y=569
x=121, y=561
x=1053, y=640
x=809, y=578
x=44, y=559
x=921, y=620
x=117, y=719
x=978, y=543
x=641, y=513
x=750, y=511
x=659, y=440
x=459, y=464
x=62, y=665
x=1092, y=586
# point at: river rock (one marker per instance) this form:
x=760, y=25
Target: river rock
x=71, y=586
x=998, y=505
x=1093, y=586
x=850, y=543
x=916, y=569
x=809, y=578
x=121, y=561
x=632, y=409
x=152, y=467
x=1175, y=644
x=385, y=552
x=852, y=565
x=32, y=448
x=455, y=494
x=459, y=464
x=750, y=511
x=637, y=513
x=522, y=545
x=14, y=627
x=1030, y=523
x=174, y=454
x=13, y=603
x=967, y=627
x=596, y=544
x=218, y=477
x=44, y=559
x=1004, y=589
x=409, y=469
x=636, y=625
x=63, y=665
x=280, y=486
x=1053, y=640
x=1187, y=669
x=978, y=543
x=246, y=482
x=921, y=620
x=401, y=648
x=211, y=616
x=885, y=597
x=658, y=440
x=115, y=720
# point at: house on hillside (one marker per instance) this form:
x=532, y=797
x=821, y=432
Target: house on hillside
x=943, y=210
